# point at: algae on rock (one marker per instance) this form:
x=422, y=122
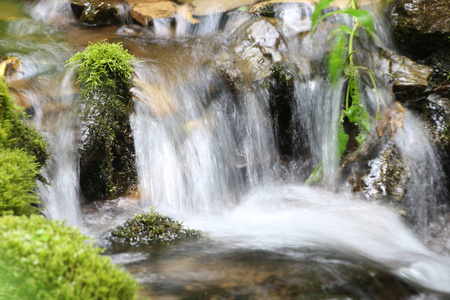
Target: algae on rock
x=107, y=156
x=150, y=228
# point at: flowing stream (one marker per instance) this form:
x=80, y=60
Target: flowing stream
x=207, y=154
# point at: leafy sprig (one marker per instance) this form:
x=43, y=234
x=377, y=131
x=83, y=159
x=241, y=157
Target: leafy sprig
x=341, y=65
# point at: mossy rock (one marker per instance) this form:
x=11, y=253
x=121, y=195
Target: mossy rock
x=15, y=132
x=107, y=155
x=44, y=259
x=148, y=229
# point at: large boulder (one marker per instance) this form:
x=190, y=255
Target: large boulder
x=421, y=27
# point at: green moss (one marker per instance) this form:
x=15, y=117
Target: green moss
x=150, y=229
x=14, y=132
x=17, y=183
x=48, y=260
x=22, y=153
x=107, y=165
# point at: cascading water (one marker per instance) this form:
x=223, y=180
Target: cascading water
x=206, y=149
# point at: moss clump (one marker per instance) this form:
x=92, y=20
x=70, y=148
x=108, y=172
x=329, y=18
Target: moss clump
x=17, y=183
x=14, y=132
x=22, y=153
x=107, y=159
x=148, y=229
x=43, y=259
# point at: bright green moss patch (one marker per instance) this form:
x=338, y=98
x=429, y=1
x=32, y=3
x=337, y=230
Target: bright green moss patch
x=49, y=260
x=150, y=228
x=107, y=160
x=22, y=153
x=18, y=173
x=14, y=132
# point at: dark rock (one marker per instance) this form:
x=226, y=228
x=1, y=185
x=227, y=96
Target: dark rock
x=440, y=63
x=421, y=27
x=100, y=13
x=282, y=104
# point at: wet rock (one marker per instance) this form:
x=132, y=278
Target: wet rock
x=259, y=45
x=230, y=74
x=440, y=63
x=144, y=11
x=377, y=172
x=409, y=78
x=148, y=229
x=421, y=27
x=280, y=85
x=100, y=13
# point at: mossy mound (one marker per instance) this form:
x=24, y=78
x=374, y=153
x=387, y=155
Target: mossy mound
x=18, y=173
x=107, y=156
x=148, y=229
x=22, y=153
x=14, y=132
x=43, y=259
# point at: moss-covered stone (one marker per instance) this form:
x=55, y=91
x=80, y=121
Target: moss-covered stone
x=150, y=228
x=42, y=259
x=107, y=156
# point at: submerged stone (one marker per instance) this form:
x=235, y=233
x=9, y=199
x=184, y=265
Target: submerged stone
x=148, y=229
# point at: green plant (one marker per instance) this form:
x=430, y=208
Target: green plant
x=149, y=229
x=107, y=155
x=42, y=259
x=17, y=183
x=341, y=64
x=14, y=132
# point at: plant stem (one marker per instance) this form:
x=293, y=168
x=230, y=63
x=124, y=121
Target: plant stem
x=350, y=44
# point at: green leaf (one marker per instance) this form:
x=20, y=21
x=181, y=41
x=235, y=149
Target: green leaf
x=316, y=174
x=317, y=11
x=363, y=16
x=342, y=141
x=336, y=58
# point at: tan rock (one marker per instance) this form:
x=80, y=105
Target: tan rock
x=143, y=11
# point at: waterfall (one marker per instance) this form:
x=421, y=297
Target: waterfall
x=62, y=195
x=208, y=149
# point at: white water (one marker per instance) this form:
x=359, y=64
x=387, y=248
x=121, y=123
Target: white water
x=301, y=217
